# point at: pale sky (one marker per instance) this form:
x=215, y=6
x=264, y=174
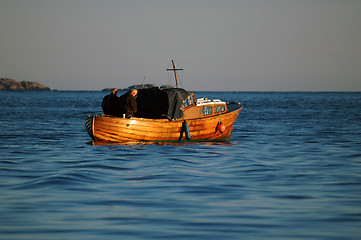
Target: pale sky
x=224, y=45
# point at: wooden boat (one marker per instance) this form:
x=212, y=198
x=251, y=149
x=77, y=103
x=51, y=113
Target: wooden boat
x=167, y=115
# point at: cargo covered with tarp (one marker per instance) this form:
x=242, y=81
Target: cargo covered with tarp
x=161, y=103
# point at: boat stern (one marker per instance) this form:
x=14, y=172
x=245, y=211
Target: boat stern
x=89, y=125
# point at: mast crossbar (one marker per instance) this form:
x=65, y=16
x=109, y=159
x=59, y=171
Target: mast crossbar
x=171, y=69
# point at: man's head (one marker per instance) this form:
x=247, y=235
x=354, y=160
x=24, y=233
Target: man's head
x=134, y=92
x=114, y=91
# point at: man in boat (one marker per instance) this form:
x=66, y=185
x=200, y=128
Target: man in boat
x=110, y=103
x=128, y=103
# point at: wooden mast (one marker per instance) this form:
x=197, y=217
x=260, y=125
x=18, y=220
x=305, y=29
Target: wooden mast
x=174, y=69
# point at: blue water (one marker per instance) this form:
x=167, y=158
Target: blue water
x=291, y=171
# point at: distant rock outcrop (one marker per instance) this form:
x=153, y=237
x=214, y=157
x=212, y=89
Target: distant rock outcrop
x=11, y=84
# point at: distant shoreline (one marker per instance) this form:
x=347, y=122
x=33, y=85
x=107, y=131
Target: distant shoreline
x=9, y=84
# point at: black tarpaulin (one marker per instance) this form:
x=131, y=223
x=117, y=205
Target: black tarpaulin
x=161, y=103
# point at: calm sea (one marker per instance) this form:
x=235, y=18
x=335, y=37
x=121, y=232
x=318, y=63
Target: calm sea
x=291, y=171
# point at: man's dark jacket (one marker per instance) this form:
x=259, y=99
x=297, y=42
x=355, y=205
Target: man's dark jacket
x=110, y=105
x=128, y=103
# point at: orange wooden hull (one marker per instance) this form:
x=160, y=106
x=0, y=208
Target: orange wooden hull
x=120, y=130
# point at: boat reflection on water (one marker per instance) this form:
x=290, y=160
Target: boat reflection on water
x=183, y=143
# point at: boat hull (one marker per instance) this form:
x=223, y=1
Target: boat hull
x=120, y=130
